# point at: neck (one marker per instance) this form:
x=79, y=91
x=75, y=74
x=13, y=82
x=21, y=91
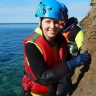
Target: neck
x=50, y=40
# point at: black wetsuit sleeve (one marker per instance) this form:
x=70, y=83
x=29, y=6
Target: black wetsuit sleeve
x=38, y=66
x=73, y=32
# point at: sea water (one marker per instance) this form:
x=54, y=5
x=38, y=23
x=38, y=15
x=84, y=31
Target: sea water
x=11, y=56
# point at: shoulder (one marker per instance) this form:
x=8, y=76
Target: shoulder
x=76, y=27
x=61, y=38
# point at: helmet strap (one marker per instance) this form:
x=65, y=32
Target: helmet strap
x=40, y=22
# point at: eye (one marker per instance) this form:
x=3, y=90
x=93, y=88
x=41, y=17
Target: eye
x=48, y=21
x=56, y=21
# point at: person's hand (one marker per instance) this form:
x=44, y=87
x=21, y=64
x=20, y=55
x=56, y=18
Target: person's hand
x=81, y=59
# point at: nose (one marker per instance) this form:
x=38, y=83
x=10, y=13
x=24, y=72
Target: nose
x=52, y=25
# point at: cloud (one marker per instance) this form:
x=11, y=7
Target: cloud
x=17, y=10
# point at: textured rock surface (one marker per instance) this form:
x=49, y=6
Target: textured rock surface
x=84, y=78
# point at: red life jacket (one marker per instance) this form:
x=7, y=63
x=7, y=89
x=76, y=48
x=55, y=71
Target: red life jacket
x=51, y=59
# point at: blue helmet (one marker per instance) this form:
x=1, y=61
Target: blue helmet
x=64, y=11
x=50, y=9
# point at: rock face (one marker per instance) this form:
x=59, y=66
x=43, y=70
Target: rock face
x=84, y=78
x=93, y=2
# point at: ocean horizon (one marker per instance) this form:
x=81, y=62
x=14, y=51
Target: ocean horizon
x=18, y=23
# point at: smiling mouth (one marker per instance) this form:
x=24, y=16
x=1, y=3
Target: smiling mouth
x=51, y=30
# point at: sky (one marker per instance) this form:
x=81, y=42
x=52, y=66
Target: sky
x=23, y=11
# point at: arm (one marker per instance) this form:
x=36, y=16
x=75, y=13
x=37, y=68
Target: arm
x=79, y=38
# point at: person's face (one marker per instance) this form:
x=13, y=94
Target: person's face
x=62, y=24
x=50, y=27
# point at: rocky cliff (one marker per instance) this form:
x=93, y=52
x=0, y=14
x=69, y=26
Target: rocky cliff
x=84, y=78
